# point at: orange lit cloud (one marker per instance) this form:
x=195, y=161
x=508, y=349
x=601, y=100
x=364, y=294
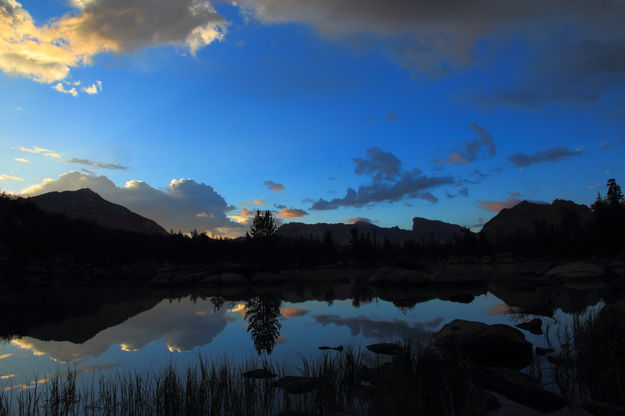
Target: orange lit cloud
x=10, y=178
x=497, y=206
x=3, y=356
x=259, y=202
x=358, y=219
x=292, y=213
x=243, y=217
x=293, y=312
x=21, y=159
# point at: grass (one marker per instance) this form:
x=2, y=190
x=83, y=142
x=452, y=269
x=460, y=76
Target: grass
x=592, y=361
x=419, y=380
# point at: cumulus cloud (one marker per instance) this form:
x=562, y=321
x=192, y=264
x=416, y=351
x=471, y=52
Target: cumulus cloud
x=274, y=186
x=175, y=207
x=60, y=88
x=48, y=52
x=243, y=217
x=484, y=140
x=289, y=213
x=93, y=88
x=497, y=206
x=553, y=154
x=114, y=166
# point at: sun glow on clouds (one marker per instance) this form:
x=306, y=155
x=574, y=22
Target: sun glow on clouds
x=10, y=178
x=47, y=53
x=25, y=345
x=7, y=355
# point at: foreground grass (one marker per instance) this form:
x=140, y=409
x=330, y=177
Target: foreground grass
x=419, y=380
x=591, y=367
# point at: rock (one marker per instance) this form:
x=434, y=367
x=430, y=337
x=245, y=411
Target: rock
x=259, y=373
x=398, y=275
x=603, y=409
x=339, y=348
x=544, y=351
x=535, y=326
x=496, y=345
x=384, y=348
x=486, y=400
x=298, y=384
x=521, y=388
x=576, y=270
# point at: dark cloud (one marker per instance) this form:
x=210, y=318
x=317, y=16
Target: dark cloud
x=553, y=154
x=471, y=148
x=379, y=164
x=114, y=166
x=408, y=185
x=276, y=187
x=382, y=330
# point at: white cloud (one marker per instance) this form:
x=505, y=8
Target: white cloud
x=47, y=53
x=176, y=207
x=93, y=88
x=60, y=88
x=21, y=159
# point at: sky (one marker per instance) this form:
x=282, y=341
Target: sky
x=196, y=113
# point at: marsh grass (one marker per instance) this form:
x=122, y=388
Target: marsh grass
x=592, y=362
x=419, y=380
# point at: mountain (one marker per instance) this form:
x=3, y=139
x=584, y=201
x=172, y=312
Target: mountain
x=525, y=216
x=434, y=230
x=85, y=204
x=422, y=229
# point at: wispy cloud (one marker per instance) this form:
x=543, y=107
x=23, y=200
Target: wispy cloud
x=484, y=140
x=93, y=88
x=87, y=162
x=290, y=213
x=553, y=154
x=10, y=177
x=34, y=149
x=21, y=159
x=70, y=91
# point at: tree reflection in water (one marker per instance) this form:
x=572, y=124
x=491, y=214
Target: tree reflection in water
x=263, y=313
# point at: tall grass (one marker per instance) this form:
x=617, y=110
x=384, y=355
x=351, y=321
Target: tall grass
x=419, y=380
x=591, y=366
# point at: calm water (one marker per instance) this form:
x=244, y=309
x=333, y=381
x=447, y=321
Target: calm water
x=110, y=330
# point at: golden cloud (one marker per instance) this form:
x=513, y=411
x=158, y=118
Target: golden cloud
x=10, y=178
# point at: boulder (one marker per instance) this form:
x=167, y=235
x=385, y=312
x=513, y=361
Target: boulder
x=535, y=326
x=258, y=373
x=521, y=388
x=398, y=275
x=495, y=345
x=576, y=270
x=384, y=348
x=298, y=384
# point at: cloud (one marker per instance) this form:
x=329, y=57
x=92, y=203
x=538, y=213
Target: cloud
x=379, y=164
x=93, y=164
x=178, y=325
x=293, y=312
x=21, y=159
x=497, y=206
x=553, y=154
x=53, y=155
x=409, y=185
x=93, y=88
x=47, y=53
x=471, y=148
x=259, y=202
x=381, y=330
x=359, y=219
x=60, y=88
x=292, y=213
x=10, y=178
x=573, y=49
x=174, y=207
x=243, y=217
x=34, y=149
x=276, y=187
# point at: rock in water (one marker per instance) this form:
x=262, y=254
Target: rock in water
x=384, y=348
x=535, y=326
x=521, y=388
x=496, y=345
x=258, y=373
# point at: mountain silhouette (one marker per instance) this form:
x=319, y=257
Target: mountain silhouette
x=526, y=217
x=84, y=204
x=422, y=229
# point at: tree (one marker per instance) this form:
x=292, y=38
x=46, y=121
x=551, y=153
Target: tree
x=614, y=195
x=263, y=225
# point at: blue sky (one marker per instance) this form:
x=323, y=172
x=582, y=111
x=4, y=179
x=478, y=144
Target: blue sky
x=527, y=101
